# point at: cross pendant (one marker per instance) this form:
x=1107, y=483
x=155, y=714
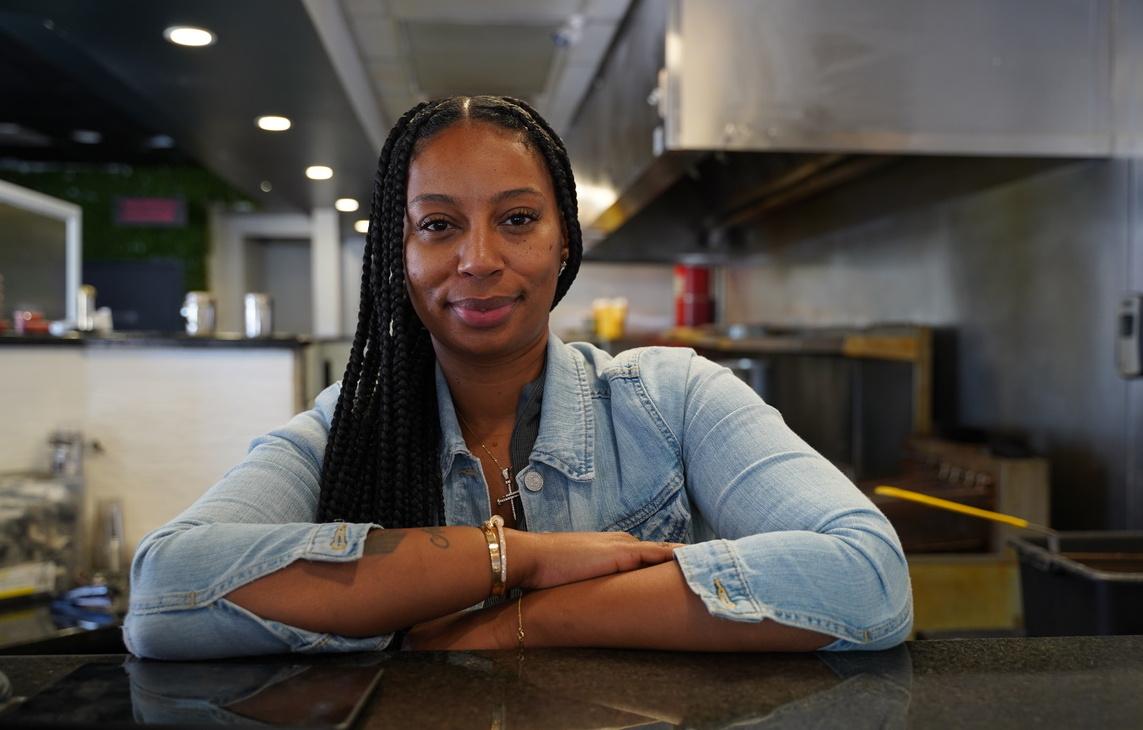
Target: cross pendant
x=511, y=495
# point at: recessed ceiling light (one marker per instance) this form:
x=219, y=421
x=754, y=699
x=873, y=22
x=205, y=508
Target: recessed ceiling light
x=87, y=136
x=272, y=123
x=188, y=35
x=345, y=205
x=361, y=226
x=319, y=172
x=265, y=186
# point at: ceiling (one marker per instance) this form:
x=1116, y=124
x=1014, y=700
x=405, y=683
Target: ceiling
x=341, y=70
x=546, y=52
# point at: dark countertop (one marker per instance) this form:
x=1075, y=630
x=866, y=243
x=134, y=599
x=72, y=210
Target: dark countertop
x=153, y=339
x=1034, y=682
x=30, y=627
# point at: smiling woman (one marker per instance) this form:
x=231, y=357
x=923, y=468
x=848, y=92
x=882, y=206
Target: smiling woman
x=664, y=505
x=498, y=227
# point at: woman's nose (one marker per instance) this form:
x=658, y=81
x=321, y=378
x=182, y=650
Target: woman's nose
x=480, y=254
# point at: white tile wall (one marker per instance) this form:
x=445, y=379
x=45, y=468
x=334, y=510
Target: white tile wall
x=171, y=420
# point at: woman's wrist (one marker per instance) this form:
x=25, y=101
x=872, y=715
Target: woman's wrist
x=521, y=562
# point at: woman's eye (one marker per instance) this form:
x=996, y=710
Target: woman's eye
x=437, y=225
x=520, y=219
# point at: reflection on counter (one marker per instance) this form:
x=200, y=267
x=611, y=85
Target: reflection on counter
x=1055, y=682
x=495, y=689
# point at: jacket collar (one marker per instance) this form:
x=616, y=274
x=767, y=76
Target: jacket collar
x=567, y=422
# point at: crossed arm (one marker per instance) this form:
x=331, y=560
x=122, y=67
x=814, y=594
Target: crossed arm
x=586, y=589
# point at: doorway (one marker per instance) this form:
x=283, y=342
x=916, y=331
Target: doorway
x=281, y=268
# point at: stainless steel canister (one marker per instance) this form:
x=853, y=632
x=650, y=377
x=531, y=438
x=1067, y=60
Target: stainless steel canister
x=85, y=308
x=259, y=315
x=198, y=309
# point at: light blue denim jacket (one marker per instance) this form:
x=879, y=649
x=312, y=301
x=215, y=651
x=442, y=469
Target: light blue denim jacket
x=657, y=442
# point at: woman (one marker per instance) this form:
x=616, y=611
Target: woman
x=359, y=518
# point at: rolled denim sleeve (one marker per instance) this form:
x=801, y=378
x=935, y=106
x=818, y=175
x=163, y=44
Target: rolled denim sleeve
x=258, y=519
x=799, y=543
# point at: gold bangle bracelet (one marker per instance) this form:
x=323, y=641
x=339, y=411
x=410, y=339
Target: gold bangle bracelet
x=498, y=523
x=495, y=554
x=520, y=622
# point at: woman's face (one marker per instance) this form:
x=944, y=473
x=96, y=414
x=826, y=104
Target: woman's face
x=483, y=240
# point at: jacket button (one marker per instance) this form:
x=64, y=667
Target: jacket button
x=534, y=481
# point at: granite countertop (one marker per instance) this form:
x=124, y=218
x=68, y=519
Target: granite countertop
x=152, y=339
x=1034, y=682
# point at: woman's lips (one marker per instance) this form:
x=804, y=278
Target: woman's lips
x=487, y=312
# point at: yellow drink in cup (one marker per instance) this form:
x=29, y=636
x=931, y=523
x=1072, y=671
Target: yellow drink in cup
x=610, y=318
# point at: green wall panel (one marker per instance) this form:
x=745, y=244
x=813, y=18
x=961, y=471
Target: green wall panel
x=95, y=190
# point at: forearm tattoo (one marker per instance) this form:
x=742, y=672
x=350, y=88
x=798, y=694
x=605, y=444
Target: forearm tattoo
x=436, y=536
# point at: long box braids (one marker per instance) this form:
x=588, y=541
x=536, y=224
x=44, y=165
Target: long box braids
x=381, y=461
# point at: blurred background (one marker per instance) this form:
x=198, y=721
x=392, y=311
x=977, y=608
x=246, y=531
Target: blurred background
x=914, y=227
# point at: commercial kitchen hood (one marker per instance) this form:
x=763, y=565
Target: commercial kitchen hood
x=709, y=114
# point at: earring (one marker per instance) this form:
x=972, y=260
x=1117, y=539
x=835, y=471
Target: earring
x=563, y=266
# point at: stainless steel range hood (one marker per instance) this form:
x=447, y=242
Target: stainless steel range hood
x=714, y=112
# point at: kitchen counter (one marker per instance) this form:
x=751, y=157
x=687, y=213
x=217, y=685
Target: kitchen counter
x=31, y=628
x=1033, y=682
x=151, y=339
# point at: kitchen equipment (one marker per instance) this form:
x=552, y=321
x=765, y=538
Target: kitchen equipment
x=85, y=308
x=259, y=317
x=693, y=303
x=66, y=453
x=101, y=320
x=198, y=310
x=750, y=370
x=1091, y=584
x=109, y=558
x=39, y=533
x=964, y=509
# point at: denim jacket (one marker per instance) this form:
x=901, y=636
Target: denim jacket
x=658, y=442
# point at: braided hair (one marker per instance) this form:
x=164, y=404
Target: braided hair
x=381, y=460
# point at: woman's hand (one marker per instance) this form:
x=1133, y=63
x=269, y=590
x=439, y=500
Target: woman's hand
x=546, y=559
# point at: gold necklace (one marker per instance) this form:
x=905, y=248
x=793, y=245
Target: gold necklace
x=505, y=473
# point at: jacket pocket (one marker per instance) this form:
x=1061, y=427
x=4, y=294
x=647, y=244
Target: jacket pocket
x=666, y=518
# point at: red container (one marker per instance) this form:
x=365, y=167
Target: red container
x=693, y=303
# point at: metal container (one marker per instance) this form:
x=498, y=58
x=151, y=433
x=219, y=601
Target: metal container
x=85, y=308
x=198, y=310
x=750, y=370
x=259, y=315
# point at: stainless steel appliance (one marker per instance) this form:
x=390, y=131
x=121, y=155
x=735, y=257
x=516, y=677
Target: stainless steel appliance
x=259, y=314
x=198, y=310
x=85, y=308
